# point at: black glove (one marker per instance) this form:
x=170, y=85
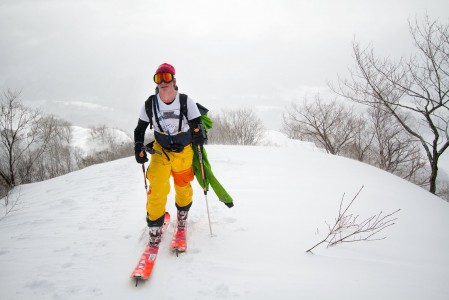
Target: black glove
x=199, y=136
x=141, y=156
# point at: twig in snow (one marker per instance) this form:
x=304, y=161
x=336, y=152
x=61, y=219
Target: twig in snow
x=347, y=227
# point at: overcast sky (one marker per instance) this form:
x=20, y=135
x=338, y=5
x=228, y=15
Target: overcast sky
x=92, y=62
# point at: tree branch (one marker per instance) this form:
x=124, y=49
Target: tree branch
x=347, y=228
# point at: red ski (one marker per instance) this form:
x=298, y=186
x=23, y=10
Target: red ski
x=179, y=242
x=148, y=258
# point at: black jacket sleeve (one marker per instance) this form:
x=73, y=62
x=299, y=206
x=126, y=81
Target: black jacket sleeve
x=139, y=132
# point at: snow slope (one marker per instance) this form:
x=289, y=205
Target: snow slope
x=80, y=235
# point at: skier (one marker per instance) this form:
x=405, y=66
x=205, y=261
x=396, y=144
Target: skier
x=172, y=151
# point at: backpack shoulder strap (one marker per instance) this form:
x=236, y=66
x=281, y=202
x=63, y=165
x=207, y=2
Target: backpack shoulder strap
x=183, y=101
x=149, y=109
x=183, y=108
x=150, y=106
x=157, y=116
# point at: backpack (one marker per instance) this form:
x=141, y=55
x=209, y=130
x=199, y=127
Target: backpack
x=150, y=106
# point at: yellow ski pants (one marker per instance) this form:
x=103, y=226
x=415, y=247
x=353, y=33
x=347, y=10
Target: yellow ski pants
x=179, y=166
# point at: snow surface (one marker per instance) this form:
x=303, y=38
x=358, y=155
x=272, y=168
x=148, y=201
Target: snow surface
x=79, y=236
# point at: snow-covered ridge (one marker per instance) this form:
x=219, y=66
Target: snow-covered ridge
x=279, y=139
x=79, y=236
x=89, y=140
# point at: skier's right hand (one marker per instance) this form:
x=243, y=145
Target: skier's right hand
x=141, y=156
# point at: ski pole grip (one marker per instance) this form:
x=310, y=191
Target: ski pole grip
x=200, y=128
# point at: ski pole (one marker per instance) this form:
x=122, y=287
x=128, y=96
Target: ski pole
x=203, y=175
x=142, y=154
x=148, y=148
x=144, y=177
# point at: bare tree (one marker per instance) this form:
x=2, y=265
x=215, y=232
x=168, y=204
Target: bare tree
x=236, y=127
x=360, y=148
x=415, y=90
x=444, y=191
x=34, y=165
x=104, y=134
x=331, y=125
x=57, y=159
x=77, y=154
x=374, y=137
x=34, y=146
x=394, y=150
x=37, y=147
x=19, y=137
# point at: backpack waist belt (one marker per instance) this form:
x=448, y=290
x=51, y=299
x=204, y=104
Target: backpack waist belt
x=173, y=143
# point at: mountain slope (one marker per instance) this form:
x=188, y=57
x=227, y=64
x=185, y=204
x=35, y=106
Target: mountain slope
x=79, y=236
